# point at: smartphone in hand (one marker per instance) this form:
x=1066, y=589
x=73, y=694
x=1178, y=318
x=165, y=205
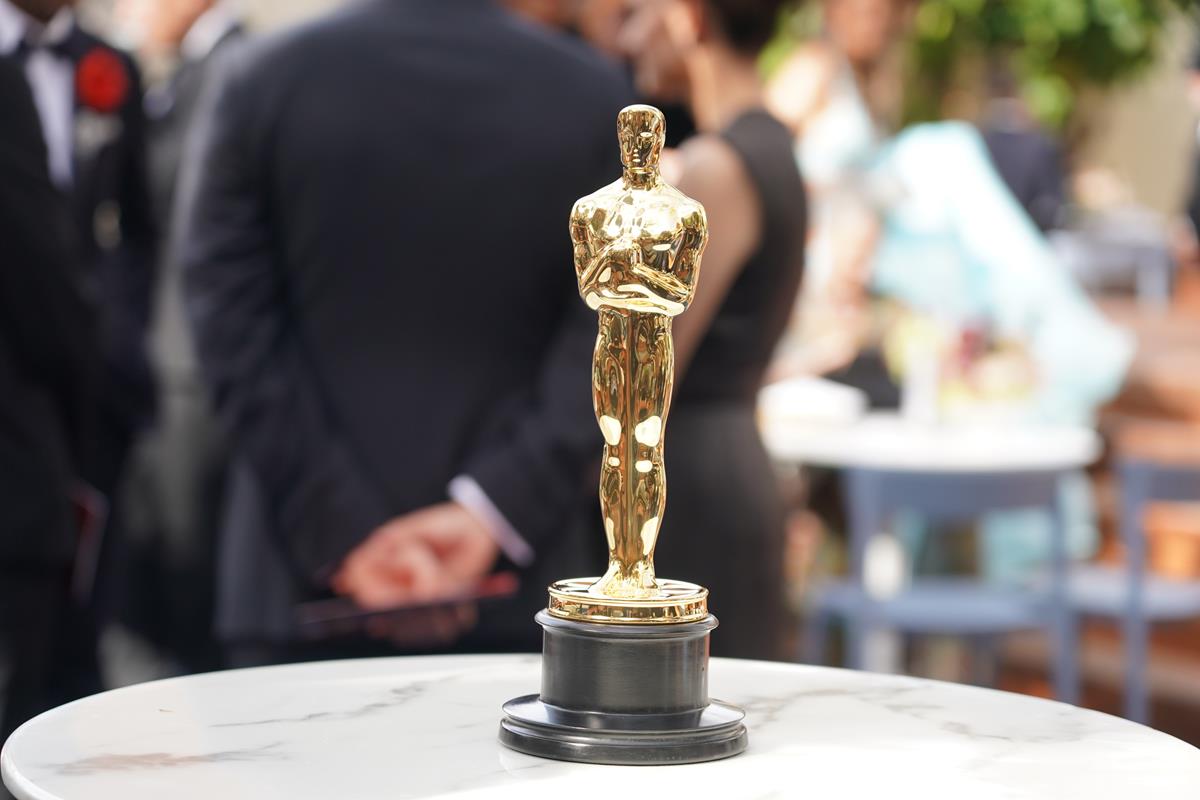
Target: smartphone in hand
x=341, y=616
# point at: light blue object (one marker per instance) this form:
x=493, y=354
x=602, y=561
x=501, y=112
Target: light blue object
x=956, y=245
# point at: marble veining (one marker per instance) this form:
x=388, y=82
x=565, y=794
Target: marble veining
x=113, y=762
x=396, y=697
x=426, y=727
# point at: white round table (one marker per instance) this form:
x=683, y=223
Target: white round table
x=959, y=471
x=886, y=441
x=426, y=727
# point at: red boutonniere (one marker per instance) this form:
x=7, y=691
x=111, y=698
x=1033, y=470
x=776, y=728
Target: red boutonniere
x=102, y=81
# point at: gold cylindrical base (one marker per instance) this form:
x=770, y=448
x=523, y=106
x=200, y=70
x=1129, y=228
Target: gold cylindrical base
x=674, y=602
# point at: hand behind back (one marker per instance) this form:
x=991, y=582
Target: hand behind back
x=433, y=554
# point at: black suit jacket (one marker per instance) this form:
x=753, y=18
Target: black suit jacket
x=380, y=276
x=1031, y=165
x=1193, y=200
x=47, y=350
x=115, y=233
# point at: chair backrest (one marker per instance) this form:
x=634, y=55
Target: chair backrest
x=1143, y=482
x=875, y=495
x=947, y=497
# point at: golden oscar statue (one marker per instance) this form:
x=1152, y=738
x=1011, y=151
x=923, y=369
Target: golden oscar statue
x=625, y=655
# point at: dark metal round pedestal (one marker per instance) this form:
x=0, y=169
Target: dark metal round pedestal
x=624, y=694
x=538, y=729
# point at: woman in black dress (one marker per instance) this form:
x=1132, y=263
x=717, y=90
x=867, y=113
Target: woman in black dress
x=724, y=520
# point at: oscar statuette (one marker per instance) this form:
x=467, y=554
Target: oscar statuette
x=625, y=655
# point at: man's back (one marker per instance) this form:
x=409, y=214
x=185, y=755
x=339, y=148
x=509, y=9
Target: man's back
x=380, y=267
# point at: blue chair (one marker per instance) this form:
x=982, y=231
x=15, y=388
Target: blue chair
x=1128, y=593
x=960, y=607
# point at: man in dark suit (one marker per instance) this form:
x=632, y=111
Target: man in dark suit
x=88, y=98
x=379, y=275
x=47, y=355
x=1028, y=160
x=1185, y=235
x=178, y=470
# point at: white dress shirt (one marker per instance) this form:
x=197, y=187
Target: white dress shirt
x=51, y=78
x=467, y=492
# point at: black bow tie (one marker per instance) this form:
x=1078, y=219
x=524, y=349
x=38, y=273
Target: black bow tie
x=70, y=47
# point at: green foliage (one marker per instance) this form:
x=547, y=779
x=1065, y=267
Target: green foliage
x=797, y=22
x=1055, y=47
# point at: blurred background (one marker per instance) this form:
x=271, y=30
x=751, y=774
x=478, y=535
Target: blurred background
x=1084, y=90
x=983, y=418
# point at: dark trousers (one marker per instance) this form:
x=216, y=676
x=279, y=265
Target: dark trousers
x=165, y=568
x=34, y=604
x=724, y=526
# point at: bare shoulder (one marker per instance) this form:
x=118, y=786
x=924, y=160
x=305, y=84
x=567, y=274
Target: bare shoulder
x=715, y=176
x=712, y=169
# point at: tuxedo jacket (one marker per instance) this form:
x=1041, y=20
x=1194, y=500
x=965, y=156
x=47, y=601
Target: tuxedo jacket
x=380, y=278
x=47, y=344
x=115, y=234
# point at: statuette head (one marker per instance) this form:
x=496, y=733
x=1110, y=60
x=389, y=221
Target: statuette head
x=642, y=132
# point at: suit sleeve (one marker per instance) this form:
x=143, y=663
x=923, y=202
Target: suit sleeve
x=538, y=476
x=238, y=299
x=42, y=307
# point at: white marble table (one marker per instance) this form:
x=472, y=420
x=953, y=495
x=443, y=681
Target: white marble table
x=426, y=727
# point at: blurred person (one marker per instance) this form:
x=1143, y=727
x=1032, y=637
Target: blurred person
x=838, y=93
x=167, y=568
x=379, y=278
x=191, y=35
x=1185, y=233
x=922, y=219
x=1028, y=159
x=724, y=523
x=551, y=13
x=47, y=358
x=88, y=97
x=599, y=23
x=938, y=232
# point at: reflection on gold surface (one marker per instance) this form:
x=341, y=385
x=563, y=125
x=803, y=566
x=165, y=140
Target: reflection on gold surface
x=638, y=244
